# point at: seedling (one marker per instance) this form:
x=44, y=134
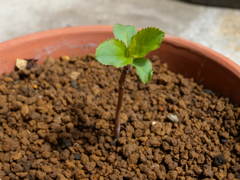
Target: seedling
x=128, y=49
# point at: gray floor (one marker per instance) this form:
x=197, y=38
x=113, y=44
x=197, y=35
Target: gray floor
x=217, y=28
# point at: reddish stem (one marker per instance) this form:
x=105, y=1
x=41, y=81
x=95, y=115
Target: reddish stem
x=122, y=82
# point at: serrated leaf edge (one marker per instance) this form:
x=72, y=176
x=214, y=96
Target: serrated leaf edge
x=151, y=71
x=106, y=41
x=126, y=37
x=111, y=40
x=141, y=31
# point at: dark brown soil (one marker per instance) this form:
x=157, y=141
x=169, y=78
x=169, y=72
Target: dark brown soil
x=57, y=122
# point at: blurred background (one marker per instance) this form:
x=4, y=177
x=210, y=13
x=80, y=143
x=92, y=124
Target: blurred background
x=212, y=23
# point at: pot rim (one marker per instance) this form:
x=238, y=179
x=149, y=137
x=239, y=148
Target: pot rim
x=169, y=39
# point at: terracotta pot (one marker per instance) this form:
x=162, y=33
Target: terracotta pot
x=206, y=66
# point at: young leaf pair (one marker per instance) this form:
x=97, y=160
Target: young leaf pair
x=129, y=47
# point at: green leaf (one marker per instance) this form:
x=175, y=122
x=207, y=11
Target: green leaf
x=124, y=33
x=144, y=69
x=113, y=52
x=145, y=41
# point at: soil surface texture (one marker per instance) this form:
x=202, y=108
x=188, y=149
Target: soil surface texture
x=57, y=122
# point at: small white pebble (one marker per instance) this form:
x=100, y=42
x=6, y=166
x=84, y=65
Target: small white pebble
x=153, y=123
x=173, y=118
x=74, y=75
x=40, y=96
x=21, y=64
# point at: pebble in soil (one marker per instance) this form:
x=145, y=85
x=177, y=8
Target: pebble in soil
x=219, y=160
x=65, y=143
x=56, y=122
x=77, y=156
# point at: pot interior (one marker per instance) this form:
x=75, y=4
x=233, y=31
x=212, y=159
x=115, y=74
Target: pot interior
x=192, y=60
